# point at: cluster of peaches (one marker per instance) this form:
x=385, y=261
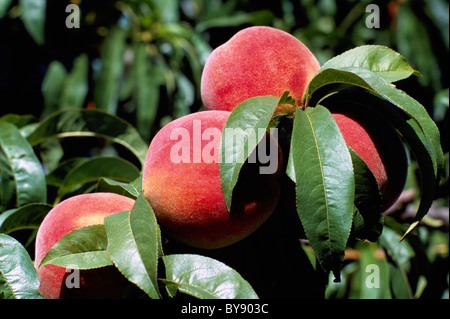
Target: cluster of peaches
x=186, y=196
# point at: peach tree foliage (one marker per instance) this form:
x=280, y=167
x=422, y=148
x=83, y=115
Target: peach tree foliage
x=330, y=213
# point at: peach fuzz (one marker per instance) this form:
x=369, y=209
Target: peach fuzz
x=256, y=61
x=380, y=147
x=187, y=197
x=72, y=213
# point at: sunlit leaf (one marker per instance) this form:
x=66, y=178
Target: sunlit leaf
x=134, y=245
x=248, y=123
x=28, y=216
x=82, y=247
x=205, y=278
x=18, y=277
x=384, y=61
x=325, y=185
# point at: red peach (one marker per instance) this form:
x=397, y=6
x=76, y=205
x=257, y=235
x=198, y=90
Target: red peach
x=187, y=196
x=72, y=213
x=256, y=61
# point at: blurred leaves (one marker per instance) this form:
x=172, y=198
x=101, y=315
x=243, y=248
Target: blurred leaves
x=33, y=17
x=135, y=65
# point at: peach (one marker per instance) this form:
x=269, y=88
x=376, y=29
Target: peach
x=256, y=61
x=72, y=213
x=379, y=145
x=185, y=191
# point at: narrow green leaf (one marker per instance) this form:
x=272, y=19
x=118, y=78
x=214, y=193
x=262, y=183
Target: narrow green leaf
x=324, y=184
x=137, y=184
x=57, y=175
x=27, y=216
x=107, y=85
x=90, y=123
x=111, y=186
x=75, y=88
x=18, y=277
x=168, y=11
x=17, y=119
x=384, y=61
x=95, y=168
x=81, y=248
x=134, y=245
x=244, y=129
x=52, y=86
x=205, y=278
x=368, y=221
x=374, y=273
x=22, y=176
x=4, y=5
x=261, y=17
x=33, y=17
x=400, y=252
x=146, y=90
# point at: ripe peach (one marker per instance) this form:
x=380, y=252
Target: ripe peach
x=379, y=145
x=72, y=213
x=256, y=61
x=185, y=191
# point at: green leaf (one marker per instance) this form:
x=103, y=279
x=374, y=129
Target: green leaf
x=146, y=90
x=90, y=123
x=134, y=244
x=324, y=184
x=28, y=216
x=81, y=248
x=4, y=5
x=111, y=186
x=325, y=83
x=22, y=176
x=411, y=107
x=52, y=86
x=261, y=17
x=75, y=86
x=410, y=117
x=400, y=252
x=411, y=133
x=95, y=168
x=57, y=175
x=107, y=86
x=374, y=273
x=22, y=120
x=368, y=221
x=18, y=277
x=244, y=129
x=33, y=17
x=205, y=278
x=384, y=61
